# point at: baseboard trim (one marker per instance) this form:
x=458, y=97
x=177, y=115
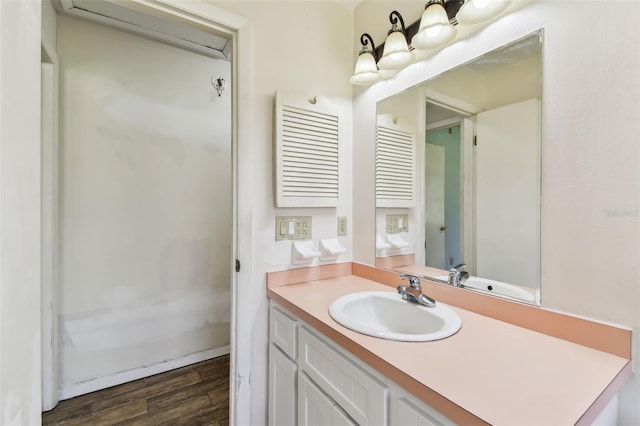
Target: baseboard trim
x=138, y=373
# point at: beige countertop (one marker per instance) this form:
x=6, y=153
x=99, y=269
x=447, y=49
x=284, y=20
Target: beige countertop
x=493, y=371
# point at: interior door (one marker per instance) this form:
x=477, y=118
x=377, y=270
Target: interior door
x=508, y=208
x=434, y=206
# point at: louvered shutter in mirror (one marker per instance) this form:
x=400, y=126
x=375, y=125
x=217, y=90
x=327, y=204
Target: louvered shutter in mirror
x=395, y=164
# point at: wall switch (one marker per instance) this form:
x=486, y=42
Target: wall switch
x=293, y=228
x=342, y=226
x=397, y=223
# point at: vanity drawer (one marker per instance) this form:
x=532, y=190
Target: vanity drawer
x=363, y=397
x=282, y=331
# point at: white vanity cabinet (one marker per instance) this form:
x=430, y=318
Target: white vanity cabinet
x=282, y=368
x=407, y=410
x=313, y=381
x=316, y=408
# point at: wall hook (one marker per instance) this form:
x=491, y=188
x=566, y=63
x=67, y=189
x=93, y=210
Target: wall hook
x=218, y=84
x=313, y=100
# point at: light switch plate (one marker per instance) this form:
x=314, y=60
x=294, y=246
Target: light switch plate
x=397, y=223
x=342, y=226
x=293, y=228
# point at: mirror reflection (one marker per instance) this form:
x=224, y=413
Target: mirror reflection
x=458, y=175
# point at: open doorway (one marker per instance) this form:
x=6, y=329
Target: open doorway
x=444, y=186
x=443, y=197
x=151, y=216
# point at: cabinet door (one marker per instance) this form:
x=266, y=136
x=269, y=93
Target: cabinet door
x=409, y=414
x=358, y=393
x=282, y=388
x=340, y=418
x=314, y=407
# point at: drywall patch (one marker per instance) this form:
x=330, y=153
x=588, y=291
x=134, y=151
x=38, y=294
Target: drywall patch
x=174, y=314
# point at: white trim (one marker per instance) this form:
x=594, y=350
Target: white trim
x=139, y=373
x=49, y=236
x=242, y=314
x=467, y=181
x=442, y=124
x=49, y=195
x=140, y=30
x=445, y=101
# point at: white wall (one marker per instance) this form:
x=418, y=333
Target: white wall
x=591, y=151
x=20, y=387
x=299, y=47
x=408, y=109
x=146, y=212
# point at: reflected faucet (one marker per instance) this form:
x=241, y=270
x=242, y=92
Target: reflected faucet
x=457, y=275
x=414, y=293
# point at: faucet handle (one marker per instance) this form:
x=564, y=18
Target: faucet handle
x=414, y=282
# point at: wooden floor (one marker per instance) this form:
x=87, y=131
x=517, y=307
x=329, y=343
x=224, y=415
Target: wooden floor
x=194, y=395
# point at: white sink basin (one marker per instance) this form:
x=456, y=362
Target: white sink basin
x=386, y=315
x=496, y=287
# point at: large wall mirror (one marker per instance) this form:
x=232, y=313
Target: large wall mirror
x=458, y=174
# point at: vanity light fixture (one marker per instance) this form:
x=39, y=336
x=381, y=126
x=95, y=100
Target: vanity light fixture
x=396, y=52
x=366, y=71
x=476, y=11
x=435, y=29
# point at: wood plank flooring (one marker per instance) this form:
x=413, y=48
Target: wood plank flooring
x=197, y=394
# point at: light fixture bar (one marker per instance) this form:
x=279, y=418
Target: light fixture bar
x=452, y=7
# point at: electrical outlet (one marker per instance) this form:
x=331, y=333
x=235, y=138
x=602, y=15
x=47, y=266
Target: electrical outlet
x=293, y=228
x=342, y=226
x=397, y=223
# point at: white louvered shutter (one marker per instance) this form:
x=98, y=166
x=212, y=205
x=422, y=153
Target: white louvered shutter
x=395, y=164
x=307, y=140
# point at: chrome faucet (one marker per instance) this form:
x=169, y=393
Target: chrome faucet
x=457, y=275
x=414, y=293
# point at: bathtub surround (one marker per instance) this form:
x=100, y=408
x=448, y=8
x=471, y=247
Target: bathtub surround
x=145, y=207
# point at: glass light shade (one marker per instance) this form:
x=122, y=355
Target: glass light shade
x=366, y=71
x=435, y=29
x=476, y=11
x=396, y=52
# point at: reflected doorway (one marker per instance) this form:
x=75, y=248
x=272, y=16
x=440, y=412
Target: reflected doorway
x=443, y=227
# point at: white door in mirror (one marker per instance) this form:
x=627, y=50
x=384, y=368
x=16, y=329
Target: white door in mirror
x=387, y=316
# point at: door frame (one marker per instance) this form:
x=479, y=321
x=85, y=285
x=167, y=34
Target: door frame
x=199, y=13
x=49, y=221
x=466, y=117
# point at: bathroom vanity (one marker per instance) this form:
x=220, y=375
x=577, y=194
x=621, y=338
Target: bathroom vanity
x=510, y=363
